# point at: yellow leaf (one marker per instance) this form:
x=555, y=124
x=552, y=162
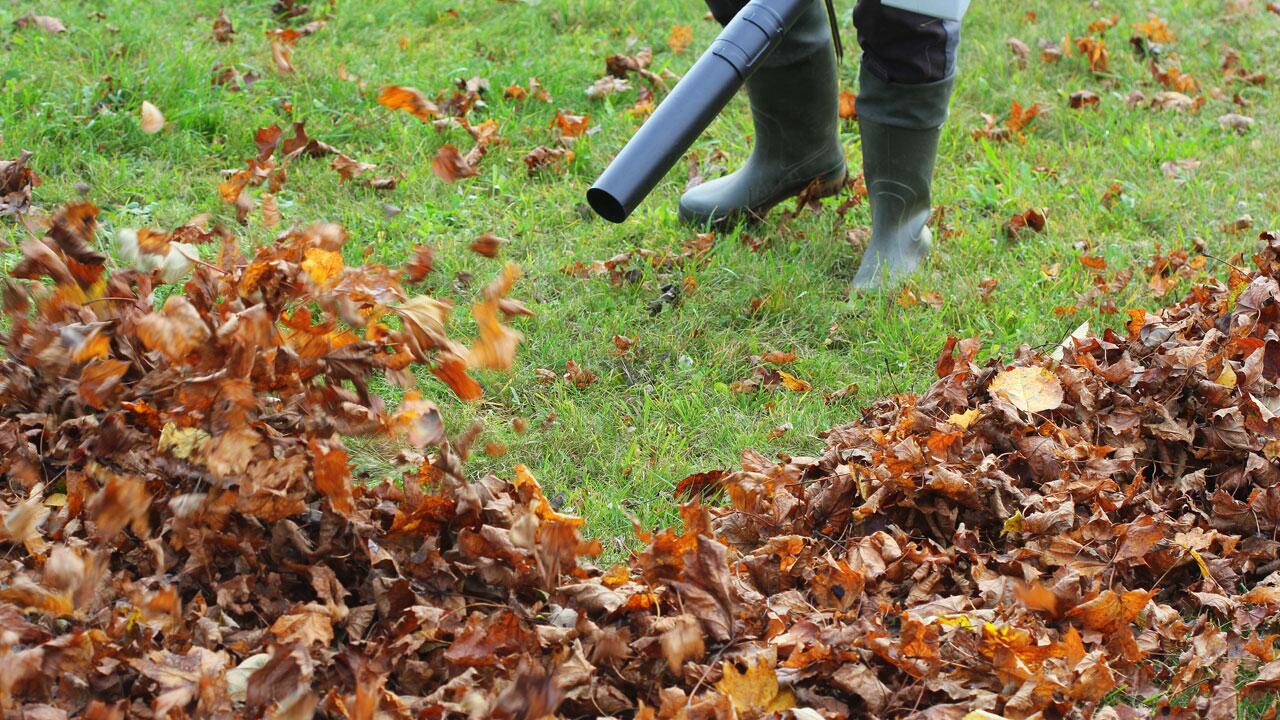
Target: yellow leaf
x=794, y=383
x=756, y=690
x=959, y=620
x=322, y=265
x=1228, y=376
x=1012, y=525
x=965, y=419
x=56, y=500
x=983, y=715
x=181, y=442
x=1030, y=389
x=1204, y=569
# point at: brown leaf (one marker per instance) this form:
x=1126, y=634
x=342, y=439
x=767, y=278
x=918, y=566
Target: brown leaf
x=487, y=245
x=177, y=332
x=222, y=29
x=16, y=182
x=449, y=165
x=1083, y=98
x=542, y=157
x=47, y=23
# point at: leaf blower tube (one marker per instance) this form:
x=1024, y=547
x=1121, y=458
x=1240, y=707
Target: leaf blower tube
x=691, y=106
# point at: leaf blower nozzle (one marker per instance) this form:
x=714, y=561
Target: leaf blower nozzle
x=691, y=106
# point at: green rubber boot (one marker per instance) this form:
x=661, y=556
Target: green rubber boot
x=795, y=108
x=897, y=161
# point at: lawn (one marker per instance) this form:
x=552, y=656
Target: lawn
x=1116, y=181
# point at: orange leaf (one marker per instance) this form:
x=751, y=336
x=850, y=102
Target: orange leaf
x=409, y=99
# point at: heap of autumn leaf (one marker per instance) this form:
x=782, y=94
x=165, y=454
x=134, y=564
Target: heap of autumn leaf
x=1022, y=541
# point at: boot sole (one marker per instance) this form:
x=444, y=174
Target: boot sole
x=823, y=186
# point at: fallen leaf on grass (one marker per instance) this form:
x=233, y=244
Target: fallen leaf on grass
x=779, y=431
x=150, y=118
x=604, y=87
x=1174, y=79
x=1019, y=118
x=793, y=383
x=1154, y=29
x=681, y=36
x=569, y=125
x=16, y=183
x=578, y=376
x=542, y=157
x=1083, y=98
x=349, y=169
x=1095, y=54
x=986, y=286
x=1178, y=169
x=222, y=28
x=777, y=357
x=47, y=23
x=1176, y=101
x=1019, y=49
x=282, y=44
x=1236, y=122
x=1033, y=219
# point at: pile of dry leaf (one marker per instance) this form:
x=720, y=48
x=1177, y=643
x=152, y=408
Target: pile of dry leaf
x=183, y=538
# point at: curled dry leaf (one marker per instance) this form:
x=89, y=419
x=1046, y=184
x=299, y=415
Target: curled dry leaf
x=569, y=125
x=451, y=165
x=848, y=105
x=604, y=87
x=487, y=245
x=150, y=118
x=542, y=157
x=578, y=376
x=222, y=28
x=16, y=182
x=1235, y=122
x=1019, y=49
x=47, y=23
x=1033, y=219
x=1083, y=98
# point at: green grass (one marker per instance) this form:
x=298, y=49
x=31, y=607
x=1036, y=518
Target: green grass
x=664, y=411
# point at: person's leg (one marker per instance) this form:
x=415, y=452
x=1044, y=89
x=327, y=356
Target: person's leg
x=908, y=70
x=795, y=108
x=724, y=10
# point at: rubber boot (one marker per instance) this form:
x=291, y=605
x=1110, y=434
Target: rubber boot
x=795, y=109
x=897, y=164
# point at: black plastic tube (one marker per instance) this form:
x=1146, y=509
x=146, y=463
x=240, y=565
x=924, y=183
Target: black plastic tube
x=691, y=106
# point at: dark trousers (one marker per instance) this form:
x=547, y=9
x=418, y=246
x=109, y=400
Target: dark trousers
x=897, y=46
